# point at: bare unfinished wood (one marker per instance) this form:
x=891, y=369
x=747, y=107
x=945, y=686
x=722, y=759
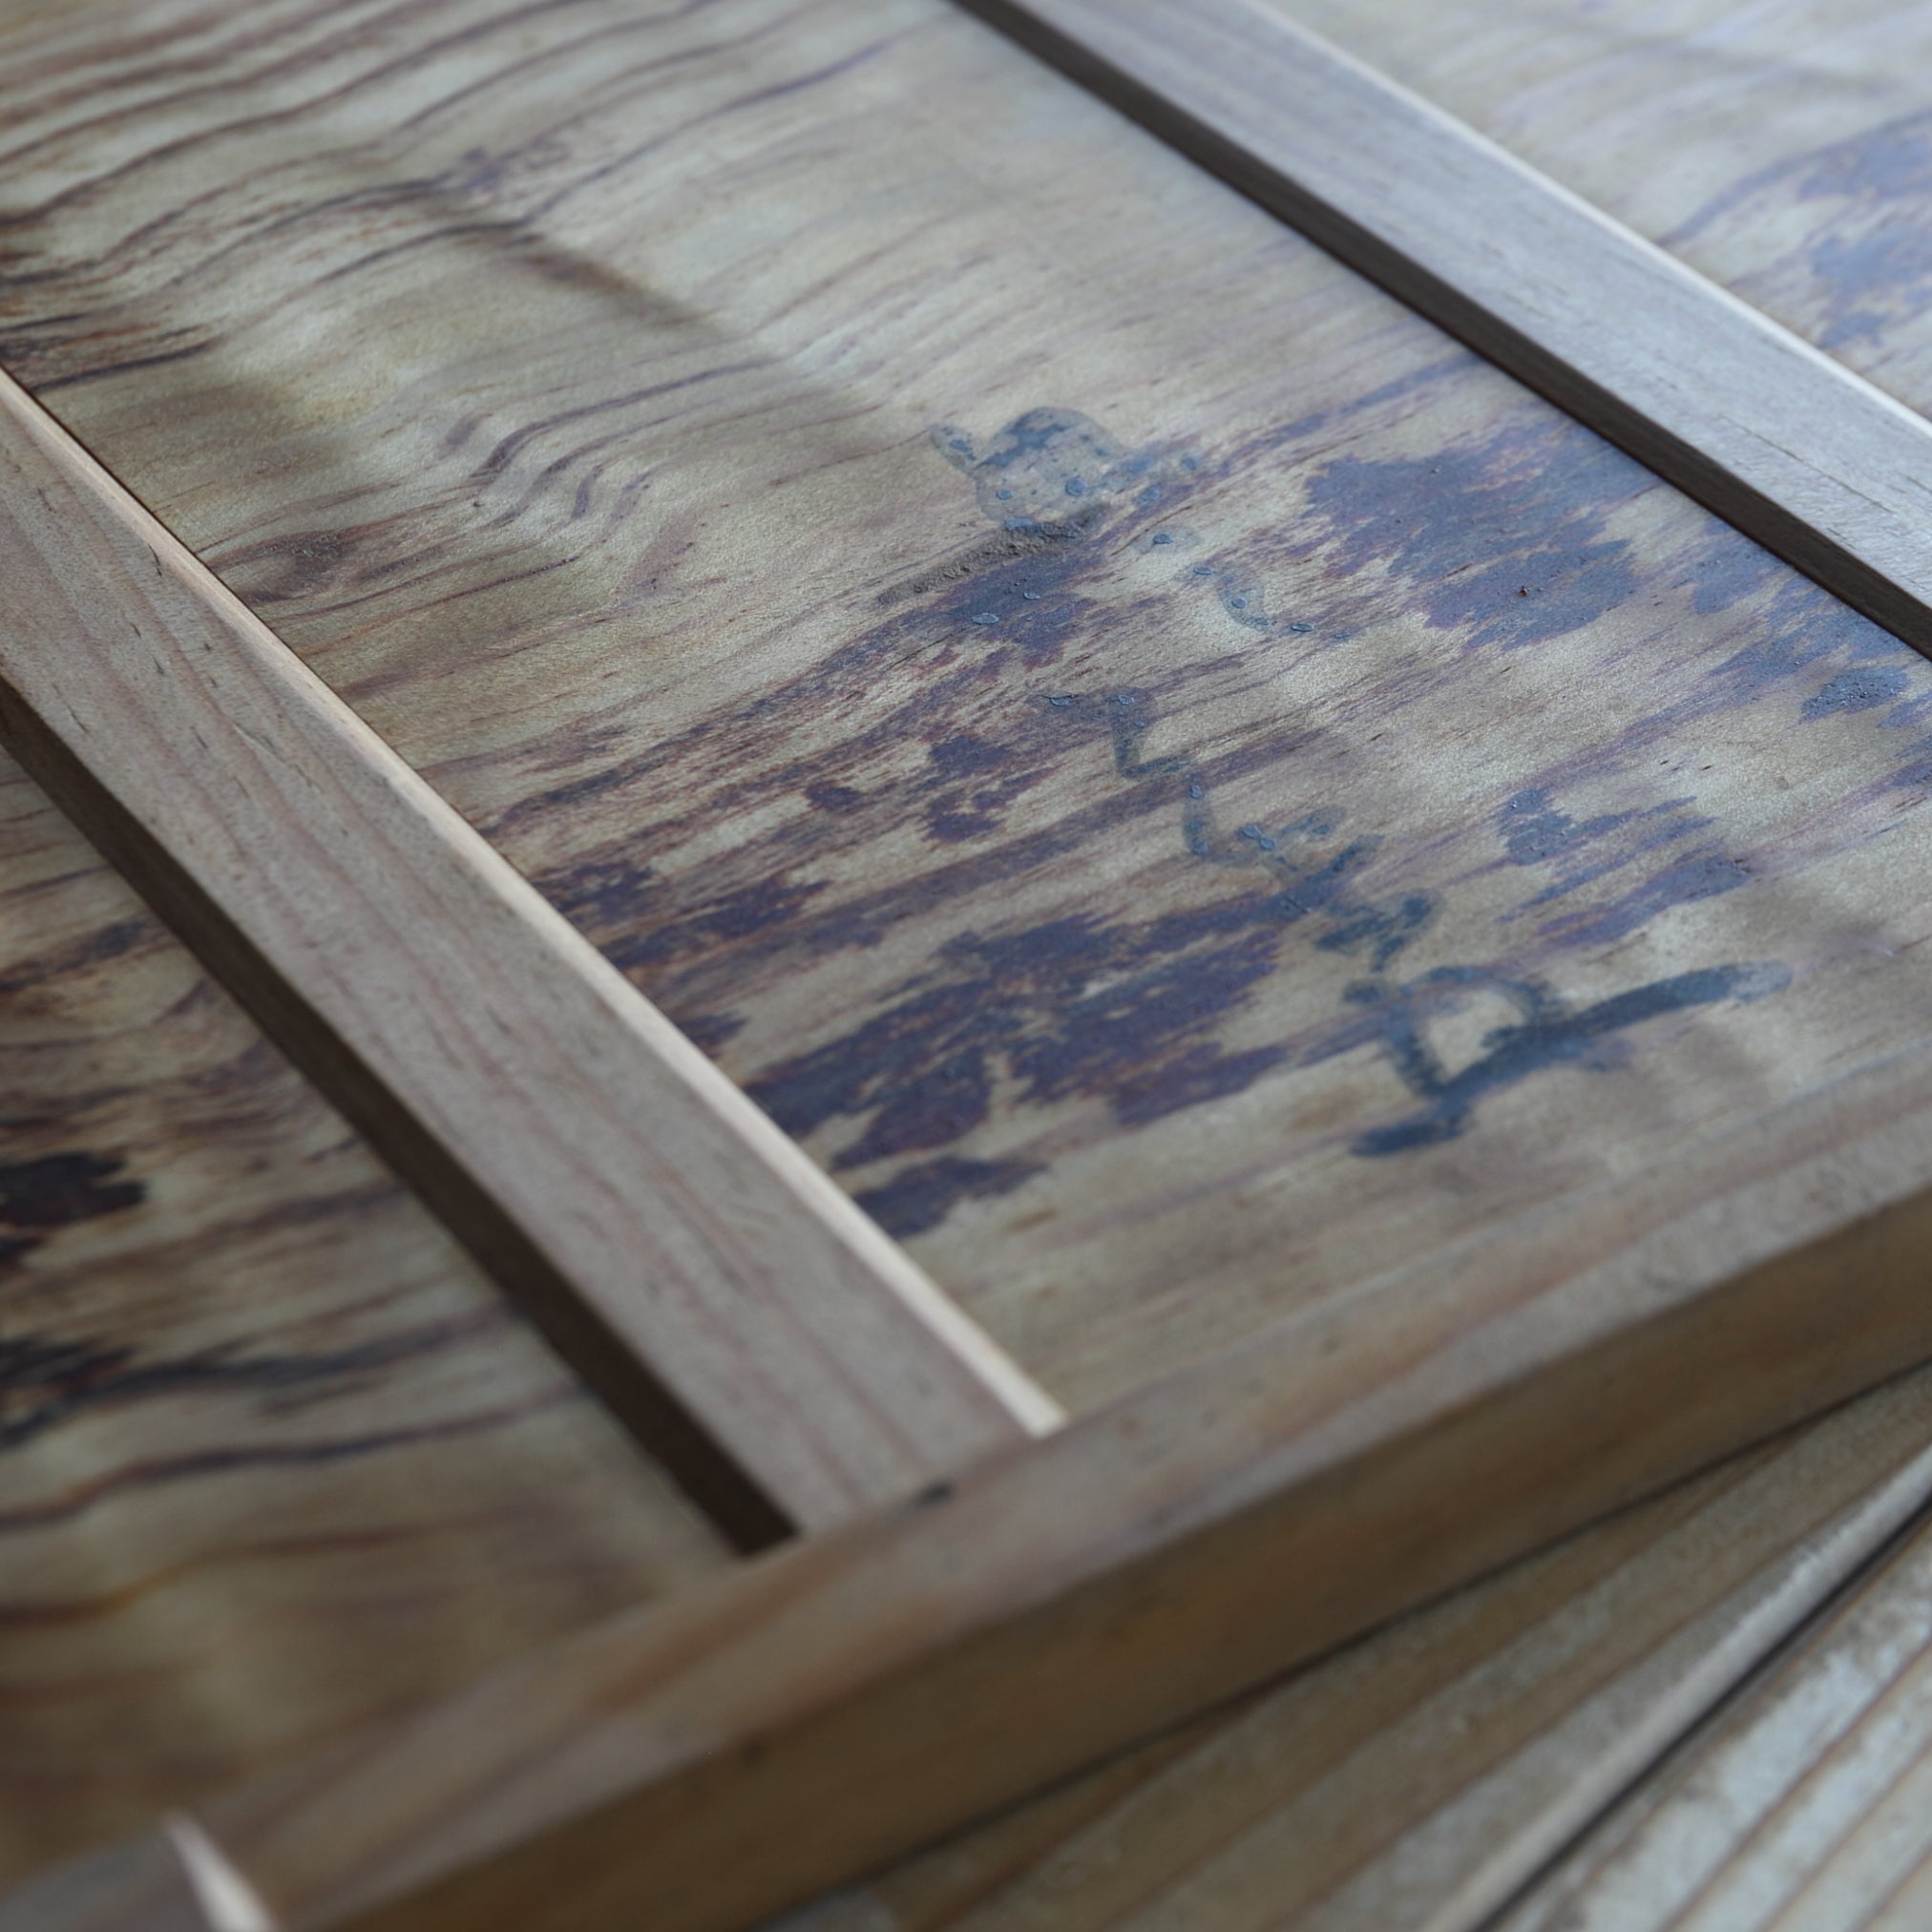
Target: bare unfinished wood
x=634, y=530
x=491, y=1048
x=842, y=1699
x=1123, y=885
x=1415, y=1782
x=1788, y=444
x=275, y=1458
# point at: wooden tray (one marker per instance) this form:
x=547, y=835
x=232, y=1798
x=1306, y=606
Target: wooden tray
x=1274, y=895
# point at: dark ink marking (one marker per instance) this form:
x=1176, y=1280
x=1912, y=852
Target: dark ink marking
x=1546, y=1035
x=1125, y=1013
x=1536, y=832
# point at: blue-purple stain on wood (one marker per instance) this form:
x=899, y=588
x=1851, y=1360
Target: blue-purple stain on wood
x=1536, y=830
x=1503, y=541
x=1862, y=206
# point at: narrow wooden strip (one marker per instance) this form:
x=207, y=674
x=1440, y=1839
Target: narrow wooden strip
x=822, y=1708
x=1791, y=446
x=579, y=1144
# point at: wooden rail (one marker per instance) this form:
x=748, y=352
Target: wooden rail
x=1806, y=457
x=688, y=1257
x=704, y=1762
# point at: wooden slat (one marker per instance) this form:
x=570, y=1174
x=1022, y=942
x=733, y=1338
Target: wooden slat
x=1777, y=146
x=578, y=1142
x=841, y=1700
x=1788, y=444
x=1415, y=1782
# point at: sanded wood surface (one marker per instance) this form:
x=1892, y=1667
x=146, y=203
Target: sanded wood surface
x=1038, y=728
x=1784, y=442
x=275, y=1460
x=1415, y=1782
x=353, y=903
x=834, y=1703
x=1047, y=881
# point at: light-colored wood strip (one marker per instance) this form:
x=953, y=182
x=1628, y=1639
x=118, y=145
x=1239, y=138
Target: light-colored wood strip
x=1808, y=458
x=835, y=1703
x=1777, y=146
x=568, y=1132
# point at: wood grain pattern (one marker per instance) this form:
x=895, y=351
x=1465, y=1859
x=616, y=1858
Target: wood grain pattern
x=1054, y=935
x=1787, y=444
x=629, y=527
x=274, y=1459
x=1807, y=1807
x=1779, y=147
x=496, y=1052
x=836, y=1702
x=1415, y=1782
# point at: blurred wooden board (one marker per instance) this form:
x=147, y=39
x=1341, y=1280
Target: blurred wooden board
x=1417, y=1781
x=1806, y=1806
x=1056, y=884
x=274, y=1460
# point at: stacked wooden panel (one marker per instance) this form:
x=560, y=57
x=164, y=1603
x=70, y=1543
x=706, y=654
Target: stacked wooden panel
x=1362, y=944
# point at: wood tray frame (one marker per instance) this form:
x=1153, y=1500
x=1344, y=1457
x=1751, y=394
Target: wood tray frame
x=989, y=1595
